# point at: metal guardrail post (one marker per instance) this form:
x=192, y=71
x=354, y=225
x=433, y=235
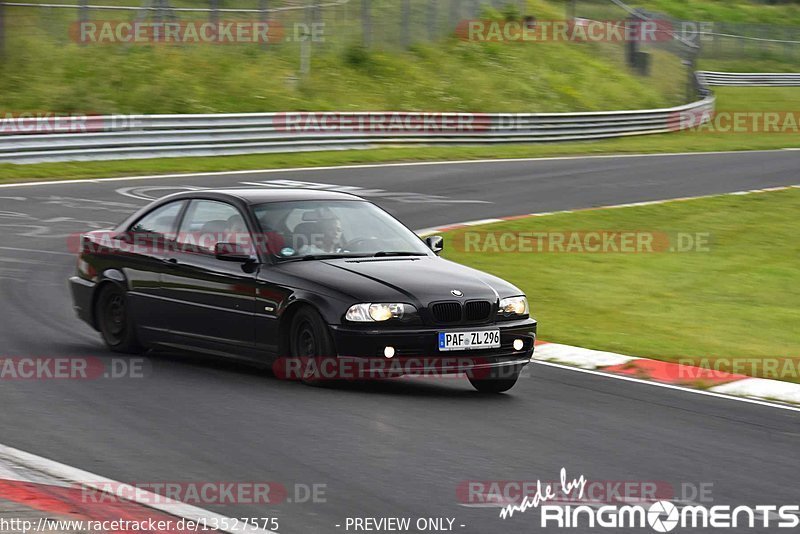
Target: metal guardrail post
x=316, y=14
x=2, y=30
x=433, y=14
x=406, y=22
x=83, y=15
x=631, y=45
x=305, y=42
x=366, y=23
x=263, y=16
x=213, y=15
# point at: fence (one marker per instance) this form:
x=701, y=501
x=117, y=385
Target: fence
x=372, y=23
x=711, y=41
x=761, y=42
x=669, y=60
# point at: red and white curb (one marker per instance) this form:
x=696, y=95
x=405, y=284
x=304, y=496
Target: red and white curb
x=668, y=372
x=687, y=377
x=53, y=488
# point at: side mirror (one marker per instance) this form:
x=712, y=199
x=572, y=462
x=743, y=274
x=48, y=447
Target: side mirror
x=435, y=243
x=125, y=237
x=232, y=252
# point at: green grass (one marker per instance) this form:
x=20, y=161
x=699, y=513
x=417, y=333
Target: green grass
x=46, y=71
x=758, y=98
x=744, y=11
x=738, y=299
x=729, y=99
x=763, y=64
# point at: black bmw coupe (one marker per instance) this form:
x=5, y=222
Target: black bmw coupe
x=319, y=285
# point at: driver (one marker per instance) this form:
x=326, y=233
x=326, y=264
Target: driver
x=331, y=234
x=328, y=240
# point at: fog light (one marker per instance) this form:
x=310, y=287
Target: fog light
x=518, y=344
x=388, y=352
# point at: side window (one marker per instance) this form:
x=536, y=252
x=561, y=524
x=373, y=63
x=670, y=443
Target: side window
x=160, y=222
x=208, y=222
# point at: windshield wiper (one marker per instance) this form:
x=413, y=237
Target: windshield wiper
x=332, y=256
x=385, y=254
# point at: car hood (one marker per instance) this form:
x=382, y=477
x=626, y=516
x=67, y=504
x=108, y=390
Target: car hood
x=416, y=280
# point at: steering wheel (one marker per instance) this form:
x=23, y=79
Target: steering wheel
x=355, y=244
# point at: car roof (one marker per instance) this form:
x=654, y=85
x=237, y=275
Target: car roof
x=265, y=195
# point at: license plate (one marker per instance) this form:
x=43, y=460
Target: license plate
x=483, y=339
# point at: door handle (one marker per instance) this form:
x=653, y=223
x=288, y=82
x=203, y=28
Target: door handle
x=172, y=261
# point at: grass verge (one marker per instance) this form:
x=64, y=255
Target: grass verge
x=745, y=11
x=731, y=301
x=44, y=70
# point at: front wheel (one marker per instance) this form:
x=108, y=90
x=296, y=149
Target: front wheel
x=496, y=380
x=114, y=321
x=311, y=345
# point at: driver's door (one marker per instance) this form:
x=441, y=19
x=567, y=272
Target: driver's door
x=211, y=302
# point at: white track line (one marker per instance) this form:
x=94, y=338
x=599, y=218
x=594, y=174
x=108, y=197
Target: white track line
x=460, y=225
x=762, y=388
x=38, y=251
x=383, y=165
x=669, y=386
x=144, y=498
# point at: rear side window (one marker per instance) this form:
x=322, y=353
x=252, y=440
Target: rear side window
x=208, y=222
x=160, y=222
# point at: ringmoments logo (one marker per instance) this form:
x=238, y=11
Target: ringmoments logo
x=660, y=516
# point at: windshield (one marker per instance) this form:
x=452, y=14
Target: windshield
x=333, y=228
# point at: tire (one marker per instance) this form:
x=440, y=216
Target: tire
x=311, y=342
x=497, y=380
x=114, y=321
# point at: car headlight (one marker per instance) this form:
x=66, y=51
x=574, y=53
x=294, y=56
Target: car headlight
x=368, y=313
x=513, y=306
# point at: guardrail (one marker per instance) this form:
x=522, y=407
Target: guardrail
x=152, y=136
x=751, y=79
x=155, y=136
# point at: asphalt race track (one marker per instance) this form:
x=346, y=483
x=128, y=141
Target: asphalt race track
x=392, y=448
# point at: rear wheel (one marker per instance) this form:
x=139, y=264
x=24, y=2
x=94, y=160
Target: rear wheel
x=496, y=380
x=115, y=322
x=311, y=343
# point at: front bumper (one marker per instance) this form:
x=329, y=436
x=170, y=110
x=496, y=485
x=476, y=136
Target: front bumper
x=82, y=293
x=417, y=351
